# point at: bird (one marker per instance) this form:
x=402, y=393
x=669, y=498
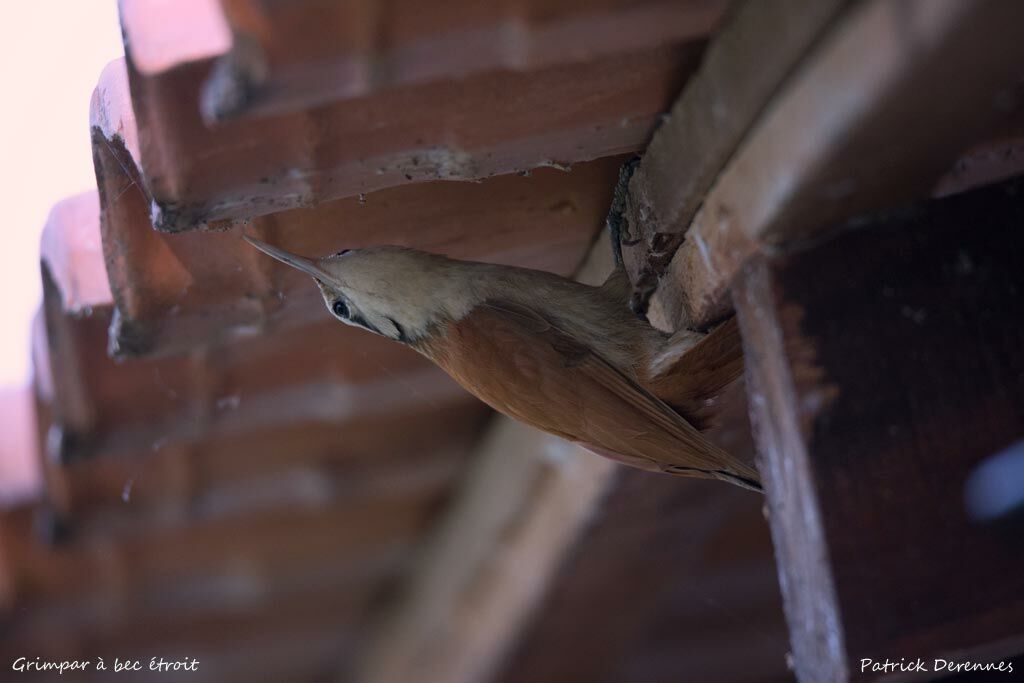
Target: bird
x=567, y=358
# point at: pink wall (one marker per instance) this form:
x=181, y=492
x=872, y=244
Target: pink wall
x=51, y=54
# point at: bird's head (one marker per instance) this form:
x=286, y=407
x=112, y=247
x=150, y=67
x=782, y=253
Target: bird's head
x=393, y=291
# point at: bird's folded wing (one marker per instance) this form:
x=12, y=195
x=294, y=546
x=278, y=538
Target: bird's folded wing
x=542, y=375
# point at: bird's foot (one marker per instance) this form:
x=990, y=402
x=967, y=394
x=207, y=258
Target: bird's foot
x=616, y=220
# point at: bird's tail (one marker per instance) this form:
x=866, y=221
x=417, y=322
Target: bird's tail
x=694, y=375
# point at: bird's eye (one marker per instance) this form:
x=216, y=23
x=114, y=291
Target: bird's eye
x=340, y=309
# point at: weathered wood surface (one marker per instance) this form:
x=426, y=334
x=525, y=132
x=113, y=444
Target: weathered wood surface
x=672, y=581
x=883, y=365
x=737, y=78
x=886, y=99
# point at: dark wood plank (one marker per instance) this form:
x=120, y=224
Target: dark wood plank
x=670, y=581
x=883, y=366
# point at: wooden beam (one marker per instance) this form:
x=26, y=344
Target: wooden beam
x=670, y=580
x=492, y=555
x=883, y=366
x=800, y=546
x=880, y=107
x=737, y=77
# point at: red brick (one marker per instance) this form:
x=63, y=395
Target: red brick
x=72, y=249
x=422, y=449
x=294, y=637
x=176, y=292
x=568, y=113
x=81, y=571
x=300, y=54
x=138, y=589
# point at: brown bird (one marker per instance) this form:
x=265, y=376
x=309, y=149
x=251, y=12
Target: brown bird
x=564, y=357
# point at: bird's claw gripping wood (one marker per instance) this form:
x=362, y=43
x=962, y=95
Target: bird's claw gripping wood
x=616, y=214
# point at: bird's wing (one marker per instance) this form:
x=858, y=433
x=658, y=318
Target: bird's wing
x=520, y=363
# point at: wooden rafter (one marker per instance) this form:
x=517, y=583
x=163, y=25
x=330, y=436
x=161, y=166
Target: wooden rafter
x=864, y=122
x=737, y=78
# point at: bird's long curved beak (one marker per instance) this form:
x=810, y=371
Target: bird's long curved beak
x=306, y=265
